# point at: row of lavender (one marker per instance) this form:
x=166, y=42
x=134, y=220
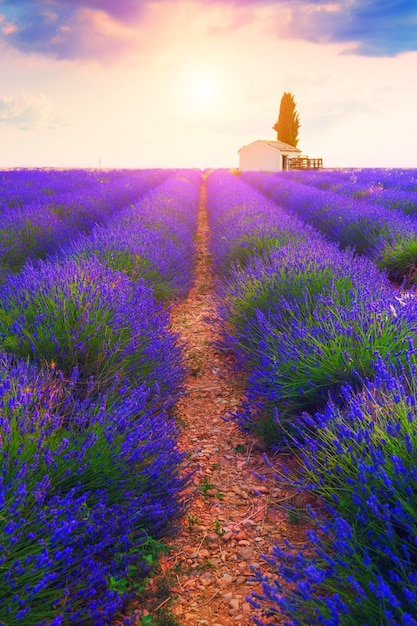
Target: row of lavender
x=91, y=475
x=329, y=348
x=22, y=186
x=40, y=209
x=386, y=235
x=390, y=188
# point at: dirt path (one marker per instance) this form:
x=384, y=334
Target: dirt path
x=233, y=517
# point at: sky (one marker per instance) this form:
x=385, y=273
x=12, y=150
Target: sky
x=186, y=83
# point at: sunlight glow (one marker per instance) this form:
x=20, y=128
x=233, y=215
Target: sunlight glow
x=204, y=88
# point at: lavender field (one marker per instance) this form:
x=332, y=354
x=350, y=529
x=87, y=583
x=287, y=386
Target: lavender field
x=90, y=478
x=315, y=275
x=328, y=343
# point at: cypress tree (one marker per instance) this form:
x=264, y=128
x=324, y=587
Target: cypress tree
x=288, y=122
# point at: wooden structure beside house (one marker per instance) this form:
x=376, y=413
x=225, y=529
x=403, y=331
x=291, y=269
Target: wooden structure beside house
x=264, y=155
x=304, y=163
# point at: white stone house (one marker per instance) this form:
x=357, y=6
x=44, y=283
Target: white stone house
x=266, y=156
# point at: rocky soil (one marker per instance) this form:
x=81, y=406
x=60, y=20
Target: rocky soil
x=236, y=510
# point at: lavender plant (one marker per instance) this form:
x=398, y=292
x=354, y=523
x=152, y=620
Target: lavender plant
x=398, y=255
x=152, y=239
x=78, y=314
x=388, y=188
x=305, y=323
x=36, y=228
x=24, y=186
x=360, y=565
x=28, y=232
x=84, y=496
x=302, y=318
x=358, y=182
x=245, y=225
x=91, y=475
x=367, y=227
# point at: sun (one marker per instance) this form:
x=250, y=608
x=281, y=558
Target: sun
x=201, y=91
x=204, y=88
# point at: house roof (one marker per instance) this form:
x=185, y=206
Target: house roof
x=279, y=145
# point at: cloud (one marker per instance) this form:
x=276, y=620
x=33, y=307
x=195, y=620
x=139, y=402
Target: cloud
x=102, y=29
x=70, y=29
x=27, y=112
x=375, y=27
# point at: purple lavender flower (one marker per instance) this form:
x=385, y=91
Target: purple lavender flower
x=153, y=239
x=41, y=209
x=386, y=235
x=86, y=489
x=361, y=567
x=303, y=317
x=78, y=313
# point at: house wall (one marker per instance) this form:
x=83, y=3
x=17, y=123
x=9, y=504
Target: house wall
x=260, y=157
